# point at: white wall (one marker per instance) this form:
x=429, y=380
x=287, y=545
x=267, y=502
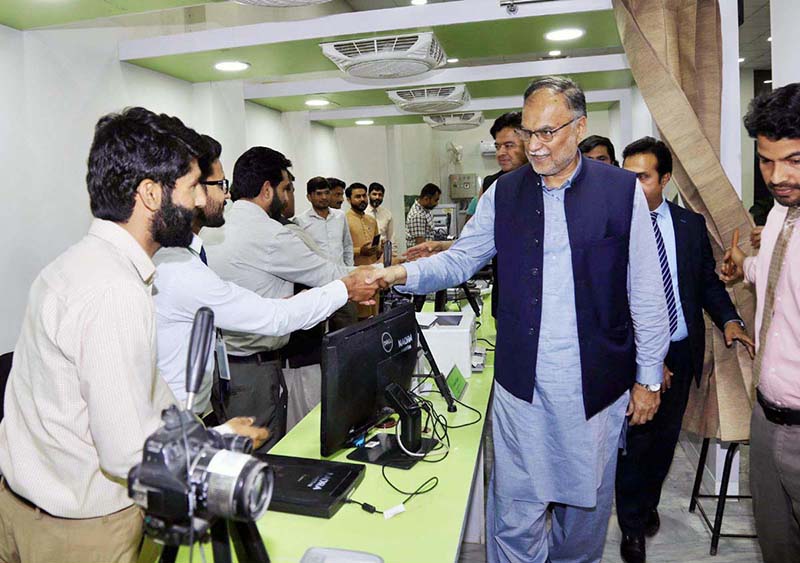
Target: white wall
x=747, y=88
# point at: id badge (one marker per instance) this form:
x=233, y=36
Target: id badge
x=222, y=358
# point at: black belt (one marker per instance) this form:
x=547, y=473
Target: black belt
x=776, y=414
x=257, y=358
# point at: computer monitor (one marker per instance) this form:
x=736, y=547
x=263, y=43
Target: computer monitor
x=358, y=362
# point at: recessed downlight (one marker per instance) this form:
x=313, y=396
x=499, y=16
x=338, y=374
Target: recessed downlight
x=768, y=82
x=232, y=66
x=452, y=60
x=365, y=122
x=317, y=103
x=741, y=59
x=555, y=53
x=769, y=38
x=566, y=34
x=418, y=2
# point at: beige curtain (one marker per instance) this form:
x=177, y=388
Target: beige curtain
x=674, y=48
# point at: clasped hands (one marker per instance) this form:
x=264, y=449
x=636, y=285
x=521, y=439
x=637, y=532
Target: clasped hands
x=365, y=281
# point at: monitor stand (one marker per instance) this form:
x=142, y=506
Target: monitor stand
x=383, y=449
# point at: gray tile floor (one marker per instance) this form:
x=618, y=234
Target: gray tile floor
x=683, y=536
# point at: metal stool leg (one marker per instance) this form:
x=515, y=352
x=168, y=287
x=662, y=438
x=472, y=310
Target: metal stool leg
x=698, y=478
x=723, y=496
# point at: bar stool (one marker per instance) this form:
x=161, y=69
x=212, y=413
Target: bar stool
x=722, y=497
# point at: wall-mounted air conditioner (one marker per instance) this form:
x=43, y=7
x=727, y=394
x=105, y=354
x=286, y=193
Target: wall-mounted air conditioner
x=393, y=56
x=454, y=121
x=430, y=99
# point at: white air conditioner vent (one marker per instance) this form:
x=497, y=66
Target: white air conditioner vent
x=281, y=3
x=434, y=99
x=386, y=57
x=454, y=121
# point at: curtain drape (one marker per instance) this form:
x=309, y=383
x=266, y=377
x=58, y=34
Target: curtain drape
x=674, y=48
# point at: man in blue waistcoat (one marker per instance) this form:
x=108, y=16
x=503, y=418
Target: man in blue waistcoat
x=582, y=330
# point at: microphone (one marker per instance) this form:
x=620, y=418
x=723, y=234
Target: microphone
x=199, y=349
x=387, y=254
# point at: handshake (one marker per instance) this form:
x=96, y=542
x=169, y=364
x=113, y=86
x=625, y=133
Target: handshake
x=365, y=281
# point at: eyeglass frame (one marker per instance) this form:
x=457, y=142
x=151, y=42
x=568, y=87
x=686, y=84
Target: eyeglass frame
x=527, y=134
x=225, y=184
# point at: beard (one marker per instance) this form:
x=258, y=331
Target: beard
x=360, y=207
x=790, y=199
x=172, y=224
x=276, y=207
x=211, y=216
x=375, y=203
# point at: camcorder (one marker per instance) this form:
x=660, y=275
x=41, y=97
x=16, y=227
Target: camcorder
x=192, y=478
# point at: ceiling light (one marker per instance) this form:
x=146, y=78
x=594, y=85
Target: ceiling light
x=769, y=38
x=418, y=2
x=768, y=81
x=452, y=61
x=232, y=66
x=741, y=59
x=566, y=34
x=317, y=103
x=365, y=122
x=555, y=53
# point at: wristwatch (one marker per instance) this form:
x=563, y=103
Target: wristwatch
x=652, y=387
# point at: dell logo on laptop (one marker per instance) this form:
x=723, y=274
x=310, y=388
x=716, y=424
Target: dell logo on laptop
x=387, y=342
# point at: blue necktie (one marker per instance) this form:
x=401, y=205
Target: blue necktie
x=666, y=276
x=203, y=257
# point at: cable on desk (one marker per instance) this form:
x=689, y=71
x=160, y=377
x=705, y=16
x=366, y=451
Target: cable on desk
x=366, y=507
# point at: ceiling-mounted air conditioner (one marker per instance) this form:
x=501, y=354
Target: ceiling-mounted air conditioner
x=393, y=56
x=281, y=3
x=454, y=121
x=432, y=99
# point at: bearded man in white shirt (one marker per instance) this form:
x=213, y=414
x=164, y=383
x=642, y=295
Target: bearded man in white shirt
x=84, y=393
x=185, y=283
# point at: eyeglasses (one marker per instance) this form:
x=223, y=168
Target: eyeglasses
x=544, y=135
x=223, y=184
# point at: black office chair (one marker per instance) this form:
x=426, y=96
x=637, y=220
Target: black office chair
x=5, y=369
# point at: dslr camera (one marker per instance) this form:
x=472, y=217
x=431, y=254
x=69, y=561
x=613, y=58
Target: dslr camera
x=191, y=477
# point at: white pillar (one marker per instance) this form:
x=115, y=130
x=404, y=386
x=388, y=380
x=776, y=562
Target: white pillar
x=784, y=15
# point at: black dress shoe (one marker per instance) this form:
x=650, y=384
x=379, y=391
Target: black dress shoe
x=632, y=549
x=653, y=523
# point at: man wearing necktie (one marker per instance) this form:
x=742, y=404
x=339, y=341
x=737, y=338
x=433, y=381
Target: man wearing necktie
x=774, y=121
x=691, y=286
x=184, y=283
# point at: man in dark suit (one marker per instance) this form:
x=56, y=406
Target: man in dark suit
x=691, y=286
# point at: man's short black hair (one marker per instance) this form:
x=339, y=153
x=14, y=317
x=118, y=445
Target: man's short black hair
x=317, y=183
x=256, y=166
x=429, y=190
x=593, y=141
x=775, y=115
x=354, y=186
x=649, y=145
x=133, y=146
x=376, y=187
x=336, y=183
x=210, y=155
x=511, y=119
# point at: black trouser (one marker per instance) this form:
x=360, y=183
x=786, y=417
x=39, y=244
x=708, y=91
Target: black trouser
x=258, y=390
x=644, y=464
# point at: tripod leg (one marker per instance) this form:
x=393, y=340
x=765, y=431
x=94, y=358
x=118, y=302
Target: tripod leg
x=248, y=543
x=168, y=554
x=221, y=542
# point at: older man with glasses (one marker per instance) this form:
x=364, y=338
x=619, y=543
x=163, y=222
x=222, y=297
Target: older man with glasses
x=582, y=323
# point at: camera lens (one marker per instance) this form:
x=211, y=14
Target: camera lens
x=239, y=486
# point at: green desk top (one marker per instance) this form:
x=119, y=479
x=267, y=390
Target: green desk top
x=431, y=528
